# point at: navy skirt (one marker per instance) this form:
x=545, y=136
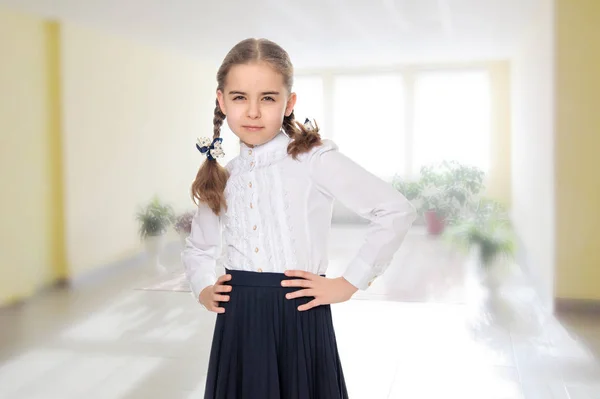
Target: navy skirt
x=265, y=348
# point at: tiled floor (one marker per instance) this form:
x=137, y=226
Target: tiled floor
x=420, y=332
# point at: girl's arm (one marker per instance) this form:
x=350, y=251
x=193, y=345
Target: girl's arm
x=202, y=249
x=390, y=213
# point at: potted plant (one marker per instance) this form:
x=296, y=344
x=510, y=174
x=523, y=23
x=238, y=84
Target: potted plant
x=183, y=225
x=410, y=189
x=447, y=188
x=154, y=220
x=487, y=235
x=463, y=184
x=436, y=207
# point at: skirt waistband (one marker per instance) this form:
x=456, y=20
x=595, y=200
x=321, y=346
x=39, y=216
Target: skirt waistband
x=257, y=279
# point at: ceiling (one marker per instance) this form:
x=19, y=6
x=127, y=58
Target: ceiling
x=317, y=33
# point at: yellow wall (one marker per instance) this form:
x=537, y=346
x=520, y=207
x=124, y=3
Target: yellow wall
x=92, y=126
x=131, y=115
x=31, y=246
x=577, y=150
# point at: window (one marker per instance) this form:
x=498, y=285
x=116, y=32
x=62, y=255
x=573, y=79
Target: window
x=452, y=118
x=368, y=121
x=309, y=103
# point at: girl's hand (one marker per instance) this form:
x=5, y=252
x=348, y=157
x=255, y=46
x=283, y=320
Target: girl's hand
x=325, y=290
x=211, y=295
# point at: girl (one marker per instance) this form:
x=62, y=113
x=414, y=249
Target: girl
x=270, y=211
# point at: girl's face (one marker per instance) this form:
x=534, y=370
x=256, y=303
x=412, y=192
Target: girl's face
x=254, y=101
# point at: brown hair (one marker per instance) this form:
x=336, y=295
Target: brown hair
x=209, y=185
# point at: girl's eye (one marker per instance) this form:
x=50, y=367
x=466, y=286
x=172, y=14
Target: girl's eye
x=238, y=98
x=269, y=98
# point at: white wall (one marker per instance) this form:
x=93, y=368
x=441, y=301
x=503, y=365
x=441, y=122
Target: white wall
x=532, y=152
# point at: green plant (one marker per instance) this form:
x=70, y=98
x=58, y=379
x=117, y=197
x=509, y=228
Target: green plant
x=410, y=189
x=448, y=188
x=154, y=218
x=488, y=230
x=436, y=199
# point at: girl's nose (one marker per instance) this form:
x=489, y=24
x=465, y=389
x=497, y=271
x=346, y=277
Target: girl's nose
x=253, y=111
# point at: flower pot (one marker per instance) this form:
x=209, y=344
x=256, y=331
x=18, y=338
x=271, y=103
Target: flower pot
x=435, y=224
x=155, y=245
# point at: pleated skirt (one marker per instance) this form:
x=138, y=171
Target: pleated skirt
x=265, y=348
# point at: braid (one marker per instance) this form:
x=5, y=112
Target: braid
x=217, y=120
x=210, y=182
x=303, y=139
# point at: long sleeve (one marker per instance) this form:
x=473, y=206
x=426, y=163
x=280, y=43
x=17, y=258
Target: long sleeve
x=389, y=212
x=202, y=250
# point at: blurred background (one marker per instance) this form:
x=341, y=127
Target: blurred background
x=484, y=113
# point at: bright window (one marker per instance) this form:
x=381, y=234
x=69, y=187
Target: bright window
x=452, y=118
x=368, y=121
x=309, y=103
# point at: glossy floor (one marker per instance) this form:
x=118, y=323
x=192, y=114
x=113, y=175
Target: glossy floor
x=423, y=331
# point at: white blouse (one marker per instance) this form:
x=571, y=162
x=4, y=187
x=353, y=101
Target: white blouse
x=279, y=216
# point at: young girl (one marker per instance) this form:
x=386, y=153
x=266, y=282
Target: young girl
x=265, y=217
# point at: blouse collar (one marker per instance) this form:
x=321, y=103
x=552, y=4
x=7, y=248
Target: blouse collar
x=262, y=155
x=273, y=148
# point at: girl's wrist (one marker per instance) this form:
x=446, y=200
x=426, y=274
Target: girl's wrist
x=351, y=287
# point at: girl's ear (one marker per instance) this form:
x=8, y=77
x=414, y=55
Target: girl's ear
x=291, y=103
x=221, y=100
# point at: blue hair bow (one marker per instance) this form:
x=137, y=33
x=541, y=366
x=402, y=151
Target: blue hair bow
x=212, y=148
